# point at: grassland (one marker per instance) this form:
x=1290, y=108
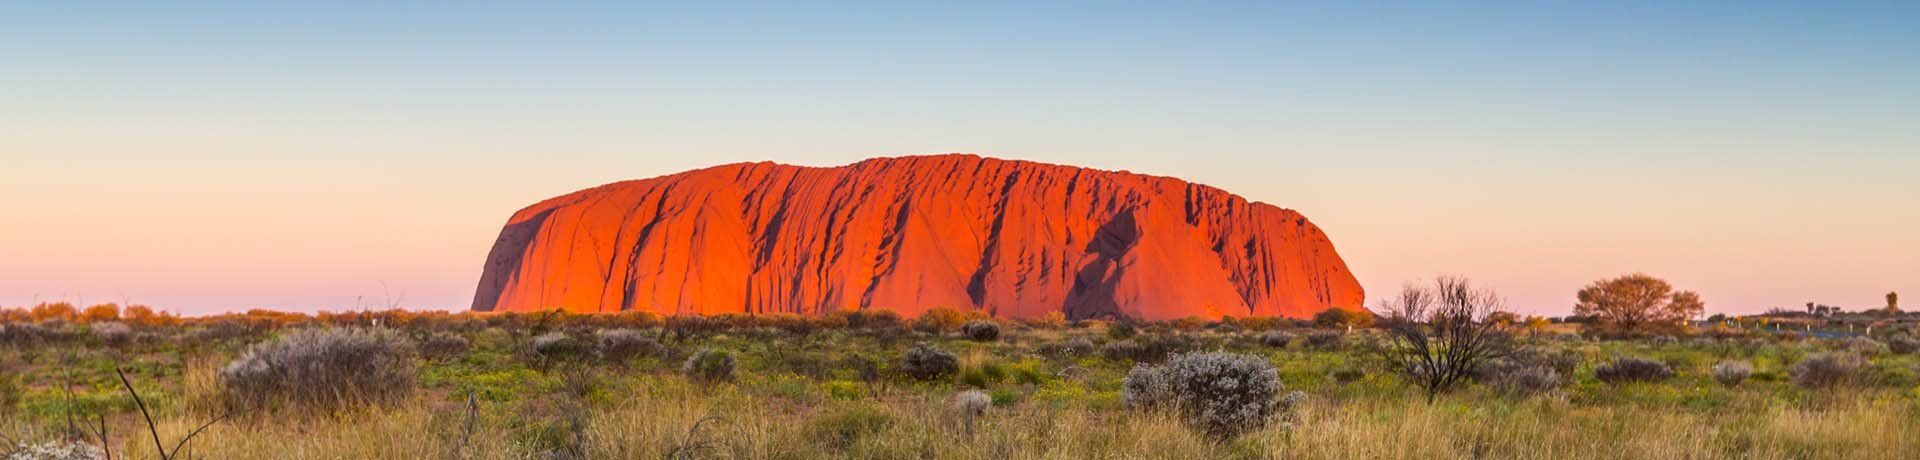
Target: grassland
x=836, y=392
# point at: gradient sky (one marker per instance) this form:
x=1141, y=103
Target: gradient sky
x=208, y=157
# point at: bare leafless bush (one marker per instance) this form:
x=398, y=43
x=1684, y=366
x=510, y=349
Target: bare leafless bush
x=1438, y=335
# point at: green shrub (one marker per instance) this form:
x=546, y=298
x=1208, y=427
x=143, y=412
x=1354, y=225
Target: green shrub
x=443, y=346
x=1347, y=375
x=1325, y=340
x=1153, y=348
x=981, y=331
x=1070, y=348
x=843, y=427
x=983, y=376
x=927, y=362
x=843, y=390
x=1027, y=373
x=10, y=392
x=709, y=366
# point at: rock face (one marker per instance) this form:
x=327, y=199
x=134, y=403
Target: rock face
x=1014, y=238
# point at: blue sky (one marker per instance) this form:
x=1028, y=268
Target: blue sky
x=206, y=156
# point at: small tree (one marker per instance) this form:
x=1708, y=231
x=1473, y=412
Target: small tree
x=1893, y=304
x=1334, y=318
x=101, y=313
x=1636, y=303
x=942, y=319
x=1437, y=335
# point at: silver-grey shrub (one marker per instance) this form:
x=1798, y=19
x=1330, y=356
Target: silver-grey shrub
x=112, y=333
x=1070, y=348
x=620, y=345
x=1827, y=370
x=1903, y=345
x=1220, y=394
x=972, y=403
x=709, y=366
x=444, y=346
x=1731, y=373
x=981, y=331
x=1517, y=377
x=1324, y=340
x=59, y=450
x=326, y=369
x=1623, y=370
x=557, y=346
x=1275, y=339
x=928, y=362
x=1861, y=345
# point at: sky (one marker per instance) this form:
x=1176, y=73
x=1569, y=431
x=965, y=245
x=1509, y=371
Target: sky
x=206, y=157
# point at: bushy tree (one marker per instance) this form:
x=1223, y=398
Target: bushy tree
x=1340, y=318
x=1439, y=334
x=1893, y=303
x=942, y=319
x=61, y=311
x=1636, y=303
x=100, y=313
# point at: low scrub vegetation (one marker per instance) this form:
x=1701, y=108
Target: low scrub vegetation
x=1627, y=370
x=1731, y=373
x=1828, y=370
x=324, y=368
x=872, y=385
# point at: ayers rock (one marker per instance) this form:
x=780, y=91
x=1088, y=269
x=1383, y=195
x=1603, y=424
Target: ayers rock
x=1014, y=238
